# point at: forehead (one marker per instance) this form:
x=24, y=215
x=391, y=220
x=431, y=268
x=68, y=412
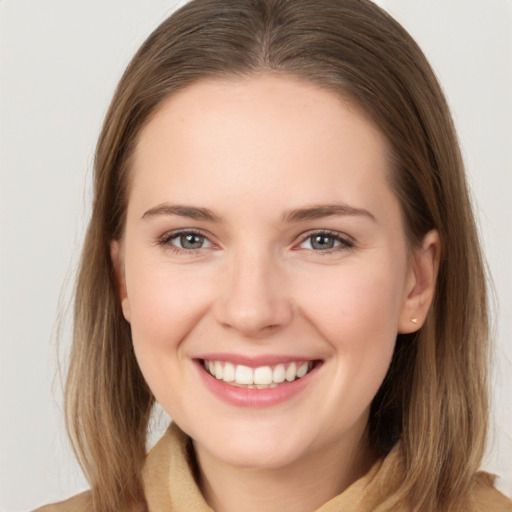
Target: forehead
x=269, y=131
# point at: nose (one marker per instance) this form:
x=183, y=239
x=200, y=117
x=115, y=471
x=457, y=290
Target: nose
x=254, y=301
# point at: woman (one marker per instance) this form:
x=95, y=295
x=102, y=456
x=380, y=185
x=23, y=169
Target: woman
x=282, y=253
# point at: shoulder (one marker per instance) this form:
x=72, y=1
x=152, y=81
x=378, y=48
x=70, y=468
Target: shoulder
x=80, y=503
x=486, y=498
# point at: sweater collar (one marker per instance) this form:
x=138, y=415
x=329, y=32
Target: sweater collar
x=170, y=486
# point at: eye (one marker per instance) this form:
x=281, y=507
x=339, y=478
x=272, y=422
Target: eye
x=190, y=241
x=186, y=241
x=325, y=241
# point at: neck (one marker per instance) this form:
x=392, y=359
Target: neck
x=301, y=486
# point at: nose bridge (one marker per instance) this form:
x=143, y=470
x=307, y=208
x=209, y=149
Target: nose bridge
x=254, y=300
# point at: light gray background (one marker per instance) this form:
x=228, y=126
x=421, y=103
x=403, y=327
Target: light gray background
x=60, y=61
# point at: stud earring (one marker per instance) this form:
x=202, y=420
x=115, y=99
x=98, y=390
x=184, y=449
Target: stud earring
x=414, y=320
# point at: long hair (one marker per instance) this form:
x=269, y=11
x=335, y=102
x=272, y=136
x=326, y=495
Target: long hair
x=433, y=400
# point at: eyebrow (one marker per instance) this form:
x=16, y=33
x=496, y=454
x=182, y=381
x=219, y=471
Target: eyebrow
x=325, y=210
x=294, y=215
x=191, y=212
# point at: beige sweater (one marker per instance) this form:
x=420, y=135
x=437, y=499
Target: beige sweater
x=169, y=486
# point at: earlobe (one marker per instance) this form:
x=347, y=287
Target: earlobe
x=117, y=262
x=421, y=283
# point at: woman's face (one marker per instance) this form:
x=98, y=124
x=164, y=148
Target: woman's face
x=262, y=242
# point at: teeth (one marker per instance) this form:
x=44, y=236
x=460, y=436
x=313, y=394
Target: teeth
x=262, y=377
x=301, y=370
x=279, y=373
x=218, y=370
x=291, y=372
x=244, y=375
x=229, y=373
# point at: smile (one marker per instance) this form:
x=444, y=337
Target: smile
x=261, y=381
x=261, y=377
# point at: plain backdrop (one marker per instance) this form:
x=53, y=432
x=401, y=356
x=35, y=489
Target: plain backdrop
x=60, y=62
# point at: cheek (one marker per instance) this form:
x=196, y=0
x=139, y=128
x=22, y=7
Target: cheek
x=353, y=306
x=165, y=306
x=357, y=313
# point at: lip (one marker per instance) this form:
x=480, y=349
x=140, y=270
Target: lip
x=254, y=398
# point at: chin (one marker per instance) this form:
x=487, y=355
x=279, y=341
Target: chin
x=250, y=456
x=256, y=448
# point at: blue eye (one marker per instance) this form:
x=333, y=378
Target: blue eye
x=325, y=241
x=187, y=240
x=322, y=242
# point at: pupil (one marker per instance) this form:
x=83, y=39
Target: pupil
x=322, y=242
x=191, y=241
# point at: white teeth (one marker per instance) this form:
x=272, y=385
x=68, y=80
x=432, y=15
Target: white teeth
x=279, y=373
x=218, y=370
x=229, y=373
x=301, y=370
x=291, y=372
x=262, y=377
x=244, y=375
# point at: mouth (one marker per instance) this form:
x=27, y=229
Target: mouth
x=260, y=377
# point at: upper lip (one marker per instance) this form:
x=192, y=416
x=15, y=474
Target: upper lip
x=255, y=361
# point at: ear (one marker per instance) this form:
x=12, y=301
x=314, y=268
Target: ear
x=116, y=255
x=420, y=284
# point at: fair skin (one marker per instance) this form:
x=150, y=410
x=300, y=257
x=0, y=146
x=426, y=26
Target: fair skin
x=261, y=232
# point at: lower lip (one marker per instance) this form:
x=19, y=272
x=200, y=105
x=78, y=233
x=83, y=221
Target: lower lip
x=245, y=397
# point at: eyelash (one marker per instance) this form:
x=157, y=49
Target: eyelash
x=343, y=242
x=166, y=240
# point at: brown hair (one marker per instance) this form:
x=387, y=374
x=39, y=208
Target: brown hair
x=434, y=397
